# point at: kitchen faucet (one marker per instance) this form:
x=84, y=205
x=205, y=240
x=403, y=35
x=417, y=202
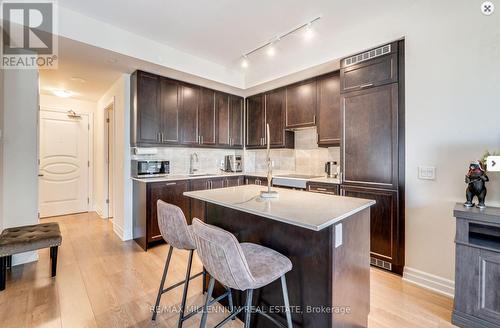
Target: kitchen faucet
x=193, y=158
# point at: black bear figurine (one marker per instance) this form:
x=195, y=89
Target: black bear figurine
x=476, y=180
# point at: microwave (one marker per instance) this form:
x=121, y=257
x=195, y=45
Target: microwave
x=149, y=168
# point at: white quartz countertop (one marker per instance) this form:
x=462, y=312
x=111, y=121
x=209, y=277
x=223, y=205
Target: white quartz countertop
x=300, y=208
x=174, y=177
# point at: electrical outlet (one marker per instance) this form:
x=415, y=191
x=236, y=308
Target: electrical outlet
x=338, y=235
x=427, y=173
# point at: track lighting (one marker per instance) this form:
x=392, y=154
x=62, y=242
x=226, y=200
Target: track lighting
x=270, y=46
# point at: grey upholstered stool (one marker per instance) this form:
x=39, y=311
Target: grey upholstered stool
x=176, y=232
x=242, y=266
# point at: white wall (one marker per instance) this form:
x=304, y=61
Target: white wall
x=1, y=147
x=20, y=152
x=65, y=104
x=119, y=92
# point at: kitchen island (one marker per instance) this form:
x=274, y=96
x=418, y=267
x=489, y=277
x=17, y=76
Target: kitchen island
x=326, y=237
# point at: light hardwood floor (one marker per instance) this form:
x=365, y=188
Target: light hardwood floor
x=104, y=282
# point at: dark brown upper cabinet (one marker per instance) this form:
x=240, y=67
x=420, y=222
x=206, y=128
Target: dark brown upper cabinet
x=301, y=104
x=206, y=117
x=170, y=112
x=236, y=121
x=370, y=73
x=275, y=103
x=328, y=110
x=230, y=120
x=169, y=108
x=370, y=137
x=255, y=118
x=146, y=115
x=223, y=120
x=189, y=114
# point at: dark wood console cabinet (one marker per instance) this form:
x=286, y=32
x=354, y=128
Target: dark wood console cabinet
x=477, y=267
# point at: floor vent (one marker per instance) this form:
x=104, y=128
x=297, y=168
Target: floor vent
x=380, y=263
x=367, y=55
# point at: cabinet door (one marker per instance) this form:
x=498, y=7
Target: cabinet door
x=255, y=121
x=148, y=110
x=217, y=183
x=236, y=121
x=189, y=114
x=329, y=110
x=206, y=117
x=275, y=117
x=198, y=206
x=370, y=137
x=169, y=106
x=371, y=73
x=233, y=181
x=323, y=188
x=223, y=118
x=301, y=104
x=384, y=223
x=172, y=193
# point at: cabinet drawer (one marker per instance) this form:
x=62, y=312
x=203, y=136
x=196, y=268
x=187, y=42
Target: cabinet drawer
x=372, y=73
x=323, y=188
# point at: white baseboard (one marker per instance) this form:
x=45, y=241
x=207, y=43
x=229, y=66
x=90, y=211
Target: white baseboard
x=429, y=281
x=24, y=258
x=120, y=233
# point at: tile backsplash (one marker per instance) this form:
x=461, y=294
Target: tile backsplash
x=209, y=160
x=306, y=158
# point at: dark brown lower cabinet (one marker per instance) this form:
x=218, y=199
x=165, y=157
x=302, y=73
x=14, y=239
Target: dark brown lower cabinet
x=145, y=196
x=255, y=180
x=233, y=181
x=386, y=226
x=323, y=188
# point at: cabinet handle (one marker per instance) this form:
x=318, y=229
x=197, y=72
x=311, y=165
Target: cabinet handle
x=314, y=119
x=366, y=85
x=321, y=189
x=201, y=139
x=170, y=183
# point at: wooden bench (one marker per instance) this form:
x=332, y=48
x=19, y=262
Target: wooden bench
x=28, y=238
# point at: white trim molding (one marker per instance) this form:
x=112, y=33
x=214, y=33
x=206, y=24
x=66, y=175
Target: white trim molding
x=429, y=281
x=120, y=233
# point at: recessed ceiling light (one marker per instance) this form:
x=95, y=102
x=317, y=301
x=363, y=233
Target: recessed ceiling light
x=62, y=93
x=78, y=79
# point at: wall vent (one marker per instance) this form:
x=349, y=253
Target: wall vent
x=381, y=263
x=367, y=55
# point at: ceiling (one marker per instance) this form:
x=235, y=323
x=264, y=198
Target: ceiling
x=88, y=71
x=222, y=30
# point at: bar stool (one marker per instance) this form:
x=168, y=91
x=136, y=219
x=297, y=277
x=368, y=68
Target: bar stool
x=176, y=232
x=244, y=267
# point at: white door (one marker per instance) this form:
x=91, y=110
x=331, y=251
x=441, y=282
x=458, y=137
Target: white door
x=64, y=164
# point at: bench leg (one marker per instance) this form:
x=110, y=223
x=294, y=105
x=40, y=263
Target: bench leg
x=53, y=259
x=3, y=272
x=9, y=262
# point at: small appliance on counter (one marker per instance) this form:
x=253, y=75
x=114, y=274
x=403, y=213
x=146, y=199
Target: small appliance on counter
x=332, y=169
x=150, y=168
x=232, y=163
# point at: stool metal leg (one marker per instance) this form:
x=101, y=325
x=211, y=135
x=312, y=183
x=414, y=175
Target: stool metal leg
x=163, y=278
x=230, y=300
x=287, y=303
x=186, y=285
x=211, y=285
x=248, y=307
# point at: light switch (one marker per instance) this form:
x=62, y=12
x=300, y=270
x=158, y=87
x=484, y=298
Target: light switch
x=427, y=172
x=338, y=235
x=493, y=163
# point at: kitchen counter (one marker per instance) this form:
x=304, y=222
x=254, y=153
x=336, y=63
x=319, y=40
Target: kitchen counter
x=177, y=177
x=326, y=237
x=303, y=209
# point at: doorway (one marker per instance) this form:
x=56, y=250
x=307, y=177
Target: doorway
x=64, y=164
